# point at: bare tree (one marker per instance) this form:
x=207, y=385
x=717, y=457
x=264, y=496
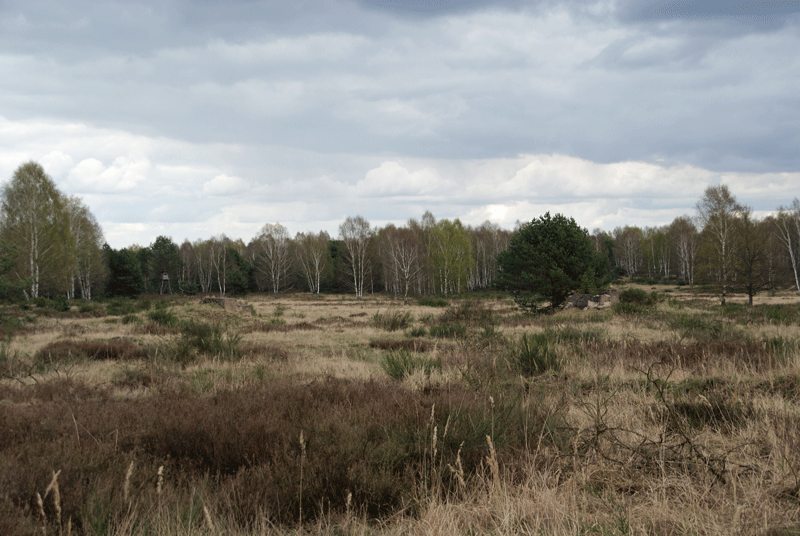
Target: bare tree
x=356, y=235
x=716, y=212
x=788, y=223
x=405, y=251
x=750, y=252
x=218, y=253
x=85, y=243
x=687, y=244
x=313, y=256
x=628, y=249
x=273, y=248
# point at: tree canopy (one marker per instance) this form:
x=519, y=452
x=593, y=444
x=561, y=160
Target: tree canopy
x=547, y=259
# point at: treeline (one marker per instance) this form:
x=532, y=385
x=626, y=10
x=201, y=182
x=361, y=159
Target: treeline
x=51, y=245
x=423, y=257
x=725, y=245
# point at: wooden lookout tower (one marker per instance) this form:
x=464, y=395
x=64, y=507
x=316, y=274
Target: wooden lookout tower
x=165, y=283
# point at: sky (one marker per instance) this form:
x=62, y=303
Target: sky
x=196, y=118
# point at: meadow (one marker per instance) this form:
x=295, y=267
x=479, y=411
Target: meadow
x=665, y=414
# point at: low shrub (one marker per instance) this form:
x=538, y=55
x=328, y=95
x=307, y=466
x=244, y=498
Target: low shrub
x=61, y=303
x=163, y=317
x=638, y=296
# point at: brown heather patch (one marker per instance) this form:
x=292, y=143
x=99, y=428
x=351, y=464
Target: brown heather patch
x=696, y=356
x=268, y=352
x=119, y=349
x=412, y=345
x=339, y=321
x=151, y=328
x=281, y=328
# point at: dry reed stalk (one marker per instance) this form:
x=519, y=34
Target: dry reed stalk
x=40, y=507
x=459, y=469
x=209, y=521
x=494, y=467
x=126, y=487
x=160, y=480
x=302, y=461
x=53, y=486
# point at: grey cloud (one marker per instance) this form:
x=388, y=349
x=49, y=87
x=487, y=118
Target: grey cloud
x=745, y=15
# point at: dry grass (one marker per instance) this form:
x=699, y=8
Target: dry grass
x=681, y=420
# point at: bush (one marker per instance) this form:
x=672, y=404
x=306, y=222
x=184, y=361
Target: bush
x=61, y=304
x=638, y=296
x=536, y=354
x=162, y=317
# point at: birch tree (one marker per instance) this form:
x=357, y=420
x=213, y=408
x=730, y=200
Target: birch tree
x=32, y=217
x=687, y=244
x=627, y=249
x=85, y=239
x=313, y=255
x=274, y=260
x=451, y=253
x=788, y=224
x=716, y=212
x=355, y=233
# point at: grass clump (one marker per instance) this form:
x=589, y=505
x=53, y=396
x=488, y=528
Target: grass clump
x=418, y=331
x=536, y=354
x=392, y=320
x=402, y=363
x=448, y=331
x=210, y=340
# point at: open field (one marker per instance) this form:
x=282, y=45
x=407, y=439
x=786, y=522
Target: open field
x=330, y=415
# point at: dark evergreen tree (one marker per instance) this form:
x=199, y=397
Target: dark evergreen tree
x=125, y=273
x=547, y=259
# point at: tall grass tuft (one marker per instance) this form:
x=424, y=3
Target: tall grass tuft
x=392, y=320
x=536, y=354
x=402, y=363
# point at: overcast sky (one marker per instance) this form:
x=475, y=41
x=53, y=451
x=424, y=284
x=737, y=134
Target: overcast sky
x=193, y=118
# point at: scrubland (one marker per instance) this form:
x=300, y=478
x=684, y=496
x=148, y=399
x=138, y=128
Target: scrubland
x=666, y=414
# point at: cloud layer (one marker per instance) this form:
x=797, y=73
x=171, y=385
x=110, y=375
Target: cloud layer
x=199, y=118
